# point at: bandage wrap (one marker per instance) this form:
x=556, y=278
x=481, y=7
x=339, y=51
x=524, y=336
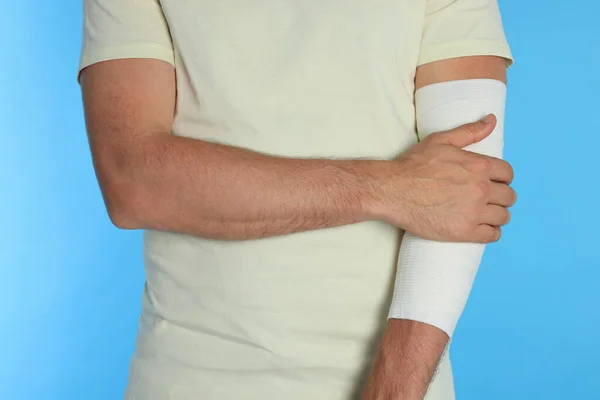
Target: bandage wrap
x=433, y=279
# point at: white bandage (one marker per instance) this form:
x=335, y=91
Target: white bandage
x=433, y=279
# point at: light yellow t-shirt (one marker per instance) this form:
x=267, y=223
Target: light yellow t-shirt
x=294, y=317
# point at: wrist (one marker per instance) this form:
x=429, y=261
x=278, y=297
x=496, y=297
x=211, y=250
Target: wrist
x=383, y=186
x=370, y=188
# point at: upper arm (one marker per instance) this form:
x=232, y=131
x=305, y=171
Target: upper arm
x=462, y=39
x=126, y=67
x=126, y=100
x=453, y=69
x=127, y=80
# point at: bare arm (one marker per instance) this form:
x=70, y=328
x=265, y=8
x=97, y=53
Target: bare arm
x=151, y=179
x=410, y=351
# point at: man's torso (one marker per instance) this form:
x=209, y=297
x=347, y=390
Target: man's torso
x=296, y=316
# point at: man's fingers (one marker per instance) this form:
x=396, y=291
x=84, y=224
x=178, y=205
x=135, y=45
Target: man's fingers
x=501, y=171
x=495, y=215
x=487, y=234
x=468, y=134
x=502, y=195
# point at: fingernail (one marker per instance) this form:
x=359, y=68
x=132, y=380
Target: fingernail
x=488, y=119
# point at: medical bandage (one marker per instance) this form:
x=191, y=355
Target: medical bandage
x=433, y=279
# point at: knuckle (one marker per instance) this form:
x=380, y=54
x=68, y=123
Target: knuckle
x=470, y=225
x=460, y=226
x=489, y=164
x=471, y=128
x=433, y=137
x=480, y=190
x=465, y=232
x=486, y=188
x=467, y=224
x=481, y=165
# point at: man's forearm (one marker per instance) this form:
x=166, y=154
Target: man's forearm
x=409, y=354
x=212, y=190
x=431, y=289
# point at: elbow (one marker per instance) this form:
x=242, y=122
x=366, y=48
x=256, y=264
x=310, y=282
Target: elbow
x=122, y=193
x=123, y=206
x=121, y=217
x=128, y=186
x=122, y=221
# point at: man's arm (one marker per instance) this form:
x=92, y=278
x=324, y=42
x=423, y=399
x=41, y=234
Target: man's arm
x=151, y=179
x=410, y=350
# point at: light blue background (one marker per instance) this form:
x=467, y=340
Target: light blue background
x=72, y=283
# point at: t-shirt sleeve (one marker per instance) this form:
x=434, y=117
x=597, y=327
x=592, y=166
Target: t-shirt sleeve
x=458, y=28
x=114, y=29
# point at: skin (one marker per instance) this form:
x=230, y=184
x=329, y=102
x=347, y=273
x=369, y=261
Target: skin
x=151, y=179
x=410, y=351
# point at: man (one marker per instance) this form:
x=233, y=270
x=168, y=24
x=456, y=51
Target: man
x=264, y=148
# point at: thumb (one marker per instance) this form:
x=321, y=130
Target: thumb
x=470, y=133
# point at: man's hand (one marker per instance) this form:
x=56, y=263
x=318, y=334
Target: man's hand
x=441, y=192
x=407, y=358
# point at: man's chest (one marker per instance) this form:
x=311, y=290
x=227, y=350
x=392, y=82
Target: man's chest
x=280, y=29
